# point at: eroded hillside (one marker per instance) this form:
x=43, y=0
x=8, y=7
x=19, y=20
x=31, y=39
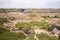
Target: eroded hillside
x=30, y=24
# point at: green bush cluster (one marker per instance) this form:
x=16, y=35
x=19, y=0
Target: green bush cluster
x=10, y=18
x=46, y=17
x=4, y=30
x=12, y=36
x=2, y=20
x=23, y=25
x=42, y=25
x=45, y=37
x=31, y=36
x=31, y=15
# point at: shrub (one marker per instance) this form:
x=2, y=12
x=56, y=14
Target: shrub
x=2, y=20
x=31, y=36
x=23, y=25
x=3, y=30
x=45, y=37
x=31, y=15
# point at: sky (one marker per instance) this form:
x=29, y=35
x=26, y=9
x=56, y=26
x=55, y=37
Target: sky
x=29, y=3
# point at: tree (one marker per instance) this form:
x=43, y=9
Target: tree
x=22, y=10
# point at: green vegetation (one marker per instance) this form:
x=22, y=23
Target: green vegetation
x=42, y=25
x=2, y=20
x=46, y=17
x=56, y=17
x=21, y=36
x=31, y=15
x=5, y=34
x=3, y=30
x=10, y=18
x=31, y=36
x=45, y=37
x=22, y=10
x=59, y=37
x=23, y=25
x=12, y=36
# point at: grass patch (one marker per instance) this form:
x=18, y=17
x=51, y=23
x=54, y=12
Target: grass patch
x=23, y=25
x=31, y=36
x=3, y=30
x=12, y=36
x=2, y=20
x=45, y=37
x=42, y=25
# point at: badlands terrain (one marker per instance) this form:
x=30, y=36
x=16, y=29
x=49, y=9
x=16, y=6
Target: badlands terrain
x=29, y=24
